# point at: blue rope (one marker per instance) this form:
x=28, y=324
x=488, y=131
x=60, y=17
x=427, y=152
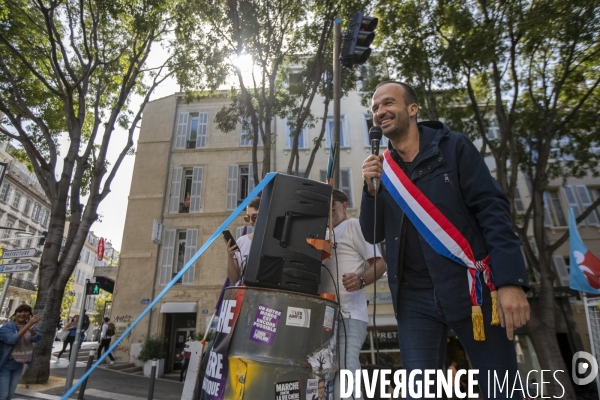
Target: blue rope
x=187, y=266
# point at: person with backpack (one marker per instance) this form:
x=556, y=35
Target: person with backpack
x=108, y=331
x=84, y=326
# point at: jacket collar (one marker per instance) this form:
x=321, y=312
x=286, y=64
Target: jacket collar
x=432, y=132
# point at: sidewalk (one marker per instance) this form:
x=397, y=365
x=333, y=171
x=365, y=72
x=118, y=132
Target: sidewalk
x=102, y=384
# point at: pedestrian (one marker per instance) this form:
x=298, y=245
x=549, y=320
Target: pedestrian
x=446, y=224
x=16, y=348
x=70, y=339
x=85, y=324
x=185, y=356
x=237, y=254
x=356, y=263
x=106, y=334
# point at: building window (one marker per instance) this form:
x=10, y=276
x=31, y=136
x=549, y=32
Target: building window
x=8, y=224
x=45, y=218
x=5, y=193
x=493, y=131
x=554, y=214
x=186, y=190
x=17, y=199
x=344, y=139
x=345, y=183
x=586, y=198
x=367, y=125
x=179, y=248
x=36, y=212
x=240, y=182
x=243, y=230
x=519, y=207
x=247, y=135
x=27, y=208
x=302, y=138
x=191, y=130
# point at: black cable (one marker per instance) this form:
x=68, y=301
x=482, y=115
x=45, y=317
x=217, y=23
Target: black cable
x=375, y=277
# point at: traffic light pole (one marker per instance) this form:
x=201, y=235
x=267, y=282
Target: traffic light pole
x=76, y=343
x=337, y=90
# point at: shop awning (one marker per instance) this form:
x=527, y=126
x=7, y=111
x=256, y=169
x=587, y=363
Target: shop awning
x=190, y=307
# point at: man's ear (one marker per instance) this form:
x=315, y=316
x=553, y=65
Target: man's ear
x=345, y=205
x=413, y=110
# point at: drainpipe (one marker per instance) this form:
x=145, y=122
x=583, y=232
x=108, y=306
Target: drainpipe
x=162, y=210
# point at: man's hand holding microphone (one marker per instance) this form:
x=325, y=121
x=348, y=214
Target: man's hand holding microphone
x=373, y=166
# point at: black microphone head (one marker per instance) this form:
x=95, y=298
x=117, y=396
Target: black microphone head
x=375, y=133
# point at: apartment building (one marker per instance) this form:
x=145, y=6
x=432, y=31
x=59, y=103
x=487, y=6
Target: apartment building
x=23, y=206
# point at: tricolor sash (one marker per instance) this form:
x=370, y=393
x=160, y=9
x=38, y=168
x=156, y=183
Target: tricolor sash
x=441, y=235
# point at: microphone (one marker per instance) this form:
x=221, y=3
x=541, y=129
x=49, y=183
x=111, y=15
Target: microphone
x=375, y=134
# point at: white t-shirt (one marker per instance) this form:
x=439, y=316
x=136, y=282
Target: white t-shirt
x=352, y=251
x=104, y=330
x=243, y=244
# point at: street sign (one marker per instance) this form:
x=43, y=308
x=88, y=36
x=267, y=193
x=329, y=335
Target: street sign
x=19, y=253
x=100, y=249
x=18, y=267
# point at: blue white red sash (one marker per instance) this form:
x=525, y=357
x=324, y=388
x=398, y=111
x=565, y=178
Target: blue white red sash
x=435, y=228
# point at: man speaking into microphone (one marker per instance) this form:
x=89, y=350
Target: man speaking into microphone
x=453, y=259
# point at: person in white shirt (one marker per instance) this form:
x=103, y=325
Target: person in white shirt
x=237, y=256
x=104, y=340
x=354, y=268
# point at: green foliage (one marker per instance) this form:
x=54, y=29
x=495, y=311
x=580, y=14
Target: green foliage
x=290, y=41
x=70, y=74
x=153, y=347
x=99, y=307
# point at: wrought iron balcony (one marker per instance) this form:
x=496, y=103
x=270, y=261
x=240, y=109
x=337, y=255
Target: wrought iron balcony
x=23, y=284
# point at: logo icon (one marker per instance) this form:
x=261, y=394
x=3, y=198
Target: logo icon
x=583, y=363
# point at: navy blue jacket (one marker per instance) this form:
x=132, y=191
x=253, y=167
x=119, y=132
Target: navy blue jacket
x=449, y=170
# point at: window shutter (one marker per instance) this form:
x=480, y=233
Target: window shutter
x=586, y=201
x=346, y=185
x=518, y=201
x=167, y=256
x=561, y=270
x=191, y=242
x=250, y=178
x=547, y=216
x=182, y=125
x=175, y=190
x=196, y=190
x=202, y=129
x=232, y=187
x=569, y=194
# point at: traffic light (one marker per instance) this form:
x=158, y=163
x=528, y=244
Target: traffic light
x=43, y=238
x=359, y=36
x=92, y=288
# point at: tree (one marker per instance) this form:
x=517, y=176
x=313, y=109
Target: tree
x=70, y=70
x=533, y=68
x=100, y=305
x=289, y=45
x=68, y=298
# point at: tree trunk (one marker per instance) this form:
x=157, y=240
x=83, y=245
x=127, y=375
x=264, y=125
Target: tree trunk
x=543, y=337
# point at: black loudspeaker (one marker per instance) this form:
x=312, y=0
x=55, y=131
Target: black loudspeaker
x=292, y=209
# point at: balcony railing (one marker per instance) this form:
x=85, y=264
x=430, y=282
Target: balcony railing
x=23, y=284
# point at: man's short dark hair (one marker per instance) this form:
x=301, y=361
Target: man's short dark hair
x=106, y=319
x=340, y=196
x=410, y=96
